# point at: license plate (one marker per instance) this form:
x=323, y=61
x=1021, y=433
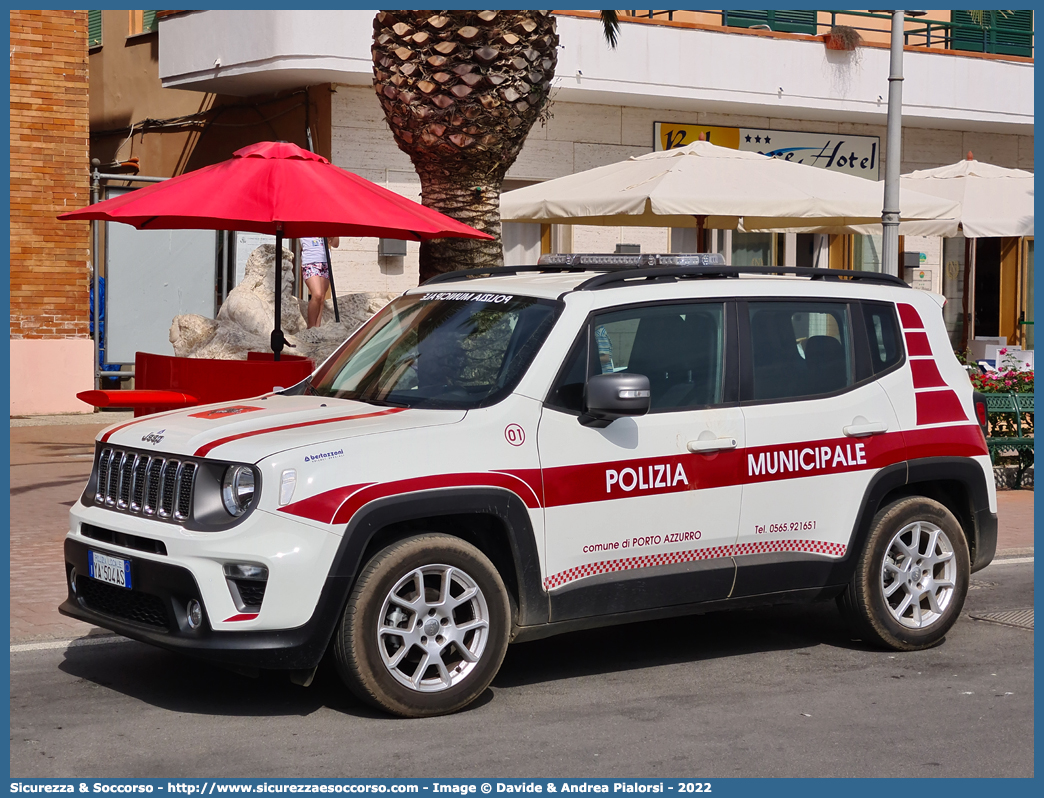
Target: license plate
x=114, y=570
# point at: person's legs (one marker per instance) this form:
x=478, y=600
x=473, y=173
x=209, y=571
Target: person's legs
x=317, y=287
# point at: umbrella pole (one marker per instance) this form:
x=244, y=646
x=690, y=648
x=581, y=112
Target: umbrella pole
x=966, y=320
x=277, y=331
x=700, y=222
x=333, y=291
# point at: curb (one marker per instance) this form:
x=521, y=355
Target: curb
x=72, y=419
x=1004, y=554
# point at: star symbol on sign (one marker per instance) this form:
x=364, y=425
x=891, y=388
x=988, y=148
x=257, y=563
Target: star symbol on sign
x=757, y=139
x=748, y=138
x=768, y=140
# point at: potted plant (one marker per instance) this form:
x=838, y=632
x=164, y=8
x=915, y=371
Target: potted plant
x=842, y=37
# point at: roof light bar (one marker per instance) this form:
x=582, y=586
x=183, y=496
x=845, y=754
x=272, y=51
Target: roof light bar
x=646, y=261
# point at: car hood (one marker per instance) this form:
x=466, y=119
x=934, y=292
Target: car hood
x=249, y=430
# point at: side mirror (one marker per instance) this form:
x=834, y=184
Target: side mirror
x=615, y=395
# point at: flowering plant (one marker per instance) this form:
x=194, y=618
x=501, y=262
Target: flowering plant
x=1008, y=379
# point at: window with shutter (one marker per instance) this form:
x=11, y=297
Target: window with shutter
x=1002, y=32
x=148, y=22
x=789, y=21
x=94, y=29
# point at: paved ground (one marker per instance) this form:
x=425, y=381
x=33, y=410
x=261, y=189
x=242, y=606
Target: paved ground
x=50, y=463
x=783, y=691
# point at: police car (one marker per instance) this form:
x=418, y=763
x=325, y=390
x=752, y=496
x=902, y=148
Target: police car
x=516, y=453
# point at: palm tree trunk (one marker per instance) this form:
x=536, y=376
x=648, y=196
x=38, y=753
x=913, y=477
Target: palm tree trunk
x=470, y=197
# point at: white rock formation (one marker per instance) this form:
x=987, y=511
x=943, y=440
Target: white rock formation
x=244, y=322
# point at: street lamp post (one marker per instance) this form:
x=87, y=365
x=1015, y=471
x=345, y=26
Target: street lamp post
x=894, y=144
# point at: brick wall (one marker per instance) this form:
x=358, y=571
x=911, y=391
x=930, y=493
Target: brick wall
x=49, y=174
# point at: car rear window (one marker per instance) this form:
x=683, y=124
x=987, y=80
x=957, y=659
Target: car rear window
x=882, y=331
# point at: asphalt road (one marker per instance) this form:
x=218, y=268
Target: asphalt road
x=774, y=692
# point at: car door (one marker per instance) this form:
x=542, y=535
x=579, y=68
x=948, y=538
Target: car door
x=818, y=428
x=638, y=514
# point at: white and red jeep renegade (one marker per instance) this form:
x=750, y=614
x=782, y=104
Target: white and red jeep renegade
x=508, y=455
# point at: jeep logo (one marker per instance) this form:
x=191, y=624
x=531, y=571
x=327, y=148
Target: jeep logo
x=154, y=437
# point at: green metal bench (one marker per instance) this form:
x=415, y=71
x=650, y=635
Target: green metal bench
x=1005, y=413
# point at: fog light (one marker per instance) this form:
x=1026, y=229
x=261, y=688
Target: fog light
x=245, y=570
x=286, y=486
x=195, y=614
x=72, y=580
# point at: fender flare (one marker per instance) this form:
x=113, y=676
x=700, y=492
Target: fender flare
x=506, y=506
x=983, y=535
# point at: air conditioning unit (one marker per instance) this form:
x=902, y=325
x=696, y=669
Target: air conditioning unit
x=391, y=248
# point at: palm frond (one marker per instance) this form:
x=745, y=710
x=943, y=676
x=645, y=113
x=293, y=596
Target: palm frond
x=610, y=27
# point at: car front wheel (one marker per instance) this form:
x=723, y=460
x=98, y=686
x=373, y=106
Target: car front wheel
x=426, y=627
x=912, y=577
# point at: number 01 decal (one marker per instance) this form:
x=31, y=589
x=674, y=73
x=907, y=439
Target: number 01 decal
x=514, y=434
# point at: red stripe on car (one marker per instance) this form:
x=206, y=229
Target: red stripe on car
x=149, y=418
x=917, y=345
x=496, y=479
x=340, y=504
x=926, y=374
x=910, y=317
x=650, y=476
x=323, y=506
x=965, y=440
x=938, y=407
x=242, y=616
x=208, y=447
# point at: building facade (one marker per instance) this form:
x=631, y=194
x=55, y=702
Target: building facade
x=207, y=82
x=51, y=349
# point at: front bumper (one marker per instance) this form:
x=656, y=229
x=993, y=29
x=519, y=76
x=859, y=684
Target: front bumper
x=171, y=566
x=155, y=612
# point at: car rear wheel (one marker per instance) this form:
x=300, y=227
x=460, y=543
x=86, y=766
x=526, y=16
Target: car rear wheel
x=912, y=577
x=426, y=627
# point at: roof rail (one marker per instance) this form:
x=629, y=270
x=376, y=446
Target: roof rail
x=621, y=269
x=621, y=277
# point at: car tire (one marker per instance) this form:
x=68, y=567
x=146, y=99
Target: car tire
x=912, y=577
x=426, y=627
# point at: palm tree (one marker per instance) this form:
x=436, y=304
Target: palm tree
x=460, y=91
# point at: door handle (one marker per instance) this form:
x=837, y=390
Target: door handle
x=711, y=445
x=864, y=430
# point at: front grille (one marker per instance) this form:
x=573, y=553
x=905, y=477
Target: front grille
x=131, y=605
x=144, y=484
x=251, y=591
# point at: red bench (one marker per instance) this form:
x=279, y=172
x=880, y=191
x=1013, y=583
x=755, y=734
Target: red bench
x=164, y=382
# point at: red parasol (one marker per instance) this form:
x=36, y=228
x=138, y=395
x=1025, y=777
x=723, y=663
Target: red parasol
x=281, y=189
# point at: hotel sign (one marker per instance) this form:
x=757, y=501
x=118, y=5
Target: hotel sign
x=854, y=155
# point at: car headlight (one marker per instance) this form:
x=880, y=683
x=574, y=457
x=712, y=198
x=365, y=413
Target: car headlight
x=237, y=489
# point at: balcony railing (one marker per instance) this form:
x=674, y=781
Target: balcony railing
x=1000, y=32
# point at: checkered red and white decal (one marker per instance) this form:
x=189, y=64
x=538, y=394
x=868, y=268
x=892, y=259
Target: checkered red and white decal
x=710, y=553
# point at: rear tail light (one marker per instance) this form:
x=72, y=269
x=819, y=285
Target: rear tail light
x=980, y=410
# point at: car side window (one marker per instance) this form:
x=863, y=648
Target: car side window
x=568, y=391
x=680, y=348
x=882, y=331
x=799, y=349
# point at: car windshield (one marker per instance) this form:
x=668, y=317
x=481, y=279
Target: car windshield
x=454, y=350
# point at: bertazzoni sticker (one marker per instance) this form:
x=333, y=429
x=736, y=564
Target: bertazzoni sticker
x=315, y=458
